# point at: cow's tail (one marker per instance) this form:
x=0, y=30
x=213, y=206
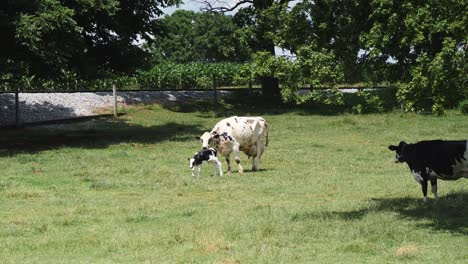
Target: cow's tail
x=267, y=131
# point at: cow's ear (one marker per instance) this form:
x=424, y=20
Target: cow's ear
x=198, y=138
x=402, y=143
x=392, y=147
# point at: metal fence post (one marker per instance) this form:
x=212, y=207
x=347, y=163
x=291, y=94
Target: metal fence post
x=250, y=87
x=114, y=91
x=215, y=95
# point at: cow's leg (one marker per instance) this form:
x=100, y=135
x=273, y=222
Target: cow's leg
x=257, y=155
x=424, y=188
x=228, y=161
x=236, y=156
x=434, y=188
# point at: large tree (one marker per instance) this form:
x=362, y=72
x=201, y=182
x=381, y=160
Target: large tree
x=261, y=18
x=188, y=36
x=47, y=37
x=428, y=40
x=330, y=26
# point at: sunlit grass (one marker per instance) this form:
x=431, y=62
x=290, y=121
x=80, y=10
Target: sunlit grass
x=119, y=190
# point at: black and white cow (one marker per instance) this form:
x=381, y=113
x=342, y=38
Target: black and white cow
x=238, y=133
x=434, y=159
x=208, y=155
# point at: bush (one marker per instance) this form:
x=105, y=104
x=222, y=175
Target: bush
x=464, y=107
x=370, y=103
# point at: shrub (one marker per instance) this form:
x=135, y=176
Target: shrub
x=464, y=107
x=370, y=103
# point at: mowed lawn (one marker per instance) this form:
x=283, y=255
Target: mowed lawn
x=120, y=190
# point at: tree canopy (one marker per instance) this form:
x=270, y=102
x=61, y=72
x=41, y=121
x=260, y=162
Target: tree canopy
x=187, y=36
x=46, y=37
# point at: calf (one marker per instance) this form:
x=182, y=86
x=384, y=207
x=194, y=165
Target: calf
x=432, y=160
x=208, y=155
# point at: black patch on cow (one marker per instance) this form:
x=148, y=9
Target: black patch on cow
x=236, y=120
x=226, y=137
x=227, y=124
x=437, y=155
x=204, y=155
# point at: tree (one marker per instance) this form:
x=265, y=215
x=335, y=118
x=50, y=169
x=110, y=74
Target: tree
x=261, y=16
x=187, y=36
x=428, y=39
x=89, y=37
x=328, y=26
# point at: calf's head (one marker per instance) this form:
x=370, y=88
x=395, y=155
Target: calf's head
x=192, y=161
x=400, y=151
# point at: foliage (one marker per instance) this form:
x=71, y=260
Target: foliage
x=437, y=83
x=187, y=36
x=464, y=107
x=427, y=39
x=371, y=103
x=87, y=37
x=309, y=68
x=161, y=76
x=190, y=75
x=328, y=27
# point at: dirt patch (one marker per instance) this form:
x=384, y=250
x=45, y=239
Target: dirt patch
x=407, y=250
x=207, y=246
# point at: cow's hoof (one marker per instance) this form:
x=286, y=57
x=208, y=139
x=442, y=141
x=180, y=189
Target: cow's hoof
x=241, y=172
x=255, y=169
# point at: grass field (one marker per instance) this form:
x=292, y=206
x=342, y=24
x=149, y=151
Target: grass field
x=120, y=190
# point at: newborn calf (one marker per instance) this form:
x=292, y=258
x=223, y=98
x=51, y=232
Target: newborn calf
x=208, y=155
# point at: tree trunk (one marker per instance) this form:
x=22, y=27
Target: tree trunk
x=270, y=84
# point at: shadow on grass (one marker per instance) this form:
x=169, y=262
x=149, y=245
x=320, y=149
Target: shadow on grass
x=450, y=213
x=92, y=134
x=241, y=103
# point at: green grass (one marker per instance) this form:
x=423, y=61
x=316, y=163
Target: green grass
x=120, y=190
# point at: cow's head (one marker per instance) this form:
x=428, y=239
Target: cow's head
x=400, y=151
x=207, y=139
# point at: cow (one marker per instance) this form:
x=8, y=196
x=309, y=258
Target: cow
x=208, y=155
x=235, y=134
x=432, y=160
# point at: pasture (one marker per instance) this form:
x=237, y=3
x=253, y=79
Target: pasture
x=120, y=190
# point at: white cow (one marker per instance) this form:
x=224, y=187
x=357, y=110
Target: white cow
x=235, y=134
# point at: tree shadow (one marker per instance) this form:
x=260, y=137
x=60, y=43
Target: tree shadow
x=450, y=213
x=95, y=133
x=242, y=103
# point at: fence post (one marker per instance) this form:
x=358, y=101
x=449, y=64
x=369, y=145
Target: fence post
x=215, y=95
x=114, y=91
x=17, y=113
x=250, y=87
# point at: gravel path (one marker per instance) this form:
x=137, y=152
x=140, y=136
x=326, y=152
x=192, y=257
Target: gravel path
x=38, y=107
